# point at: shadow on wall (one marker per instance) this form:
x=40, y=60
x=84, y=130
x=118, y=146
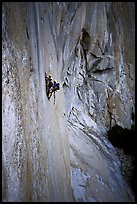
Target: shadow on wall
x=125, y=138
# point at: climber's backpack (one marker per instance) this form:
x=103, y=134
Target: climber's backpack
x=56, y=86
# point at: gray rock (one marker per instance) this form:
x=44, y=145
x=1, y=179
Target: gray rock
x=88, y=47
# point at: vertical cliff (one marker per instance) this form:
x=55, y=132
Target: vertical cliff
x=98, y=80
x=53, y=152
x=35, y=142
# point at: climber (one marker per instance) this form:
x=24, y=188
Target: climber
x=53, y=89
x=49, y=85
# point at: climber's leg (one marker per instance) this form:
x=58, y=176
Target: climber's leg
x=50, y=93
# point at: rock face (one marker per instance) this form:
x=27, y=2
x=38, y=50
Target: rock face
x=36, y=163
x=60, y=152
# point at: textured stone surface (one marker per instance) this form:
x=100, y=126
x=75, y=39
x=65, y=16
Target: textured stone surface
x=99, y=93
x=36, y=164
x=89, y=48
